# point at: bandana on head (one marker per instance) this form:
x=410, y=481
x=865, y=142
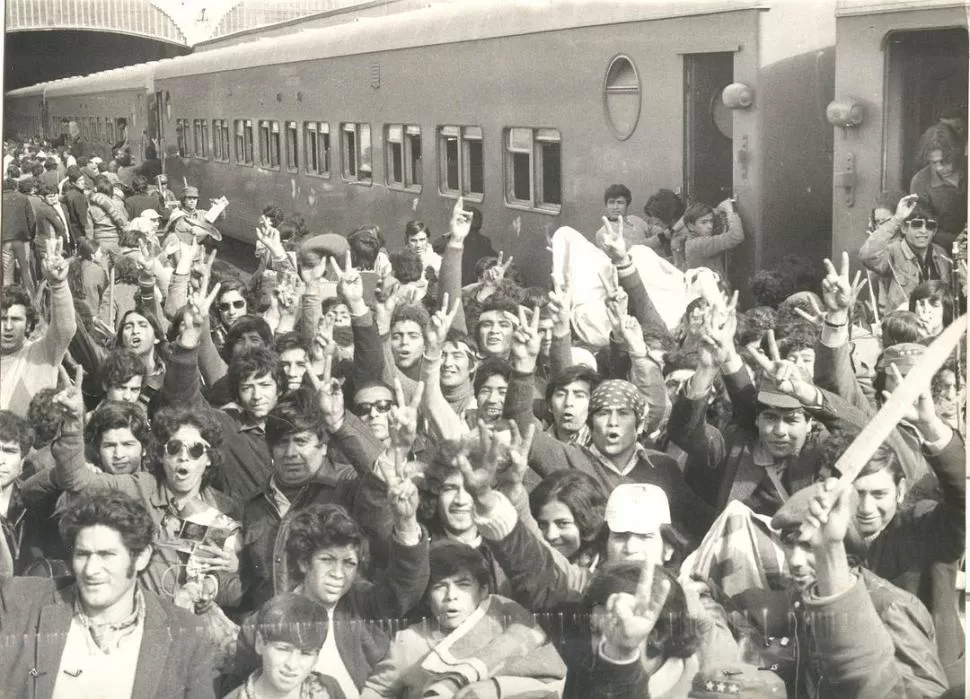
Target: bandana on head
x=616, y=393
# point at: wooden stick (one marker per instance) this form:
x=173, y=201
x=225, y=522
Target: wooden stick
x=855, y=458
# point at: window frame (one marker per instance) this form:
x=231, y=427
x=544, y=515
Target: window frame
x=291, y=128
x=537, y=137
x=269, y=147
x=356, y=128
x=241, y=129
x=222, y=153
x=464, y=134
x=317, y=128
x=182, y=129
x=411, y=171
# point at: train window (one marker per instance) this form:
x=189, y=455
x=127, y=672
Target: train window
x=621, y=97
x=220, y=139
x=292, y=147
x=182, y=136
x=403, y=156
x=461, y=162
x=244, y=141
x=269, y=144
x=356, y=153
x=110, y=129
x=316, y=141
x=200, y=129
x=533, y=169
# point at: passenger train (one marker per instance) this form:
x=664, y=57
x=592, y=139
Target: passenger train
x=804, y=111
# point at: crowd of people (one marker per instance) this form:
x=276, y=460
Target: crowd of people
x=375, y=470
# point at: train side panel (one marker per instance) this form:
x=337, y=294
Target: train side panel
x=545, y=80
x=127, y=104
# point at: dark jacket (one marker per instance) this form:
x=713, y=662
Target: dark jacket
x=49, y=222
x=732, y=476
x=76, y=208
x=691, y=515
x=949, y=202
x=246, y=464
x=137, y=203
x=18, y=217
x=35, y=616
x=364, y=618
x=262, y=549
x=920, y=548
x=477, y=246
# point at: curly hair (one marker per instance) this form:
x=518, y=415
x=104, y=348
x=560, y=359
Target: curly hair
x=233, y=285
x=167, y=422
x=114, y=510
x=664, y=205
x=44, y=417
x=676, y=634
x=942, y=138
x=491, y=366
x=274, y=214
x=413, y=312
x=117, y=415
x=120, y=366
x=770, y=287
x=581, y=494
x=618, y=191
x=14, y=428
x=255, y=362
x=246, y=324
x=18, y=296
x=318, y=527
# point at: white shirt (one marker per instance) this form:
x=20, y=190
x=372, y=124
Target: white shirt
x=330, y=663
x=87, y=672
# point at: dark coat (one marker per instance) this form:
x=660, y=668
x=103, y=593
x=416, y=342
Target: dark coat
x=76, y=207
x=35, y=616
x=18, y=217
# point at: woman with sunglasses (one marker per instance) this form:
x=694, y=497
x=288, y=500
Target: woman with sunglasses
x=196, y=526
x=901, y=251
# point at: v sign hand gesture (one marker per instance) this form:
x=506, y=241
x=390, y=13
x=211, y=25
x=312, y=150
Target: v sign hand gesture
x=838, y=293
x=785, y=374
x=614, y=244
x=350, y=286
x=629, y=619
x=403, y=418
x=526, y=342
x=70, y=399
x=330, y=395
x=190, y=330
x=461, y=222
x=437, y=330
x=55, y=266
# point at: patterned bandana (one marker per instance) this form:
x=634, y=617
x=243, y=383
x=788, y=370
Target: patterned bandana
x=616, y=393
x=108, y=636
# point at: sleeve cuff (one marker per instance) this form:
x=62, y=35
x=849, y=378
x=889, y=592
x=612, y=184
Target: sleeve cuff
x=936, y=447
x=629, y=661
x=495, y=516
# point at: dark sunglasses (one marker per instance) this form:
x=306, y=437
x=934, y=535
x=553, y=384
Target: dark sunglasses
x=226, y=305
x=174, y=447
x=927, y=223
x=383, y=406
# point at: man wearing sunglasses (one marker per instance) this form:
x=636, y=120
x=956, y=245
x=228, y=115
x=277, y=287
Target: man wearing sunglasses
x=902, y=251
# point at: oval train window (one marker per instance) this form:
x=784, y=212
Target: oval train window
x=621, y=97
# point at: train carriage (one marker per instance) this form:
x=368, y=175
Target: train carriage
x=900, y=64
x=530, y=109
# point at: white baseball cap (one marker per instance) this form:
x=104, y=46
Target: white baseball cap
x=149, y=213
x=637, y=508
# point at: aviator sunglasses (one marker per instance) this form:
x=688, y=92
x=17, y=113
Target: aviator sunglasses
x=174, y=447
x=927, y=223
x=237, y=304
x=383, y=406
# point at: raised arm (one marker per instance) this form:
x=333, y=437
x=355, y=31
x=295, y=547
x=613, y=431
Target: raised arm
x=451, y=263
x=874, y=253
x=446, y=422
x=63, y=319
x=182, y=385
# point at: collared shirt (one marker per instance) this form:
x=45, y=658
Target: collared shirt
x=277, y=498
x=243, y=420
x=109, y=636
x=639, y=452
x=773, y=469
x=582, y=437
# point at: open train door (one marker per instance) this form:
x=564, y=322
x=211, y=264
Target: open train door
x=708, y=164
x=901, y=66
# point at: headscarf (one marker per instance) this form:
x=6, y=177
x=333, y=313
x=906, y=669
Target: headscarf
x=616, y=393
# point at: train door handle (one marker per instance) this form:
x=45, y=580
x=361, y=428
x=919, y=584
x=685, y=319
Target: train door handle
x=845, y=179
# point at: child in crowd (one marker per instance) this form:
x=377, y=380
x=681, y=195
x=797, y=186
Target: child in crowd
x=291, y=630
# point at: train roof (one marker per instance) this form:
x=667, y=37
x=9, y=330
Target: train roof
x=126, y=78
x=436, y=25
x=849, y=8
